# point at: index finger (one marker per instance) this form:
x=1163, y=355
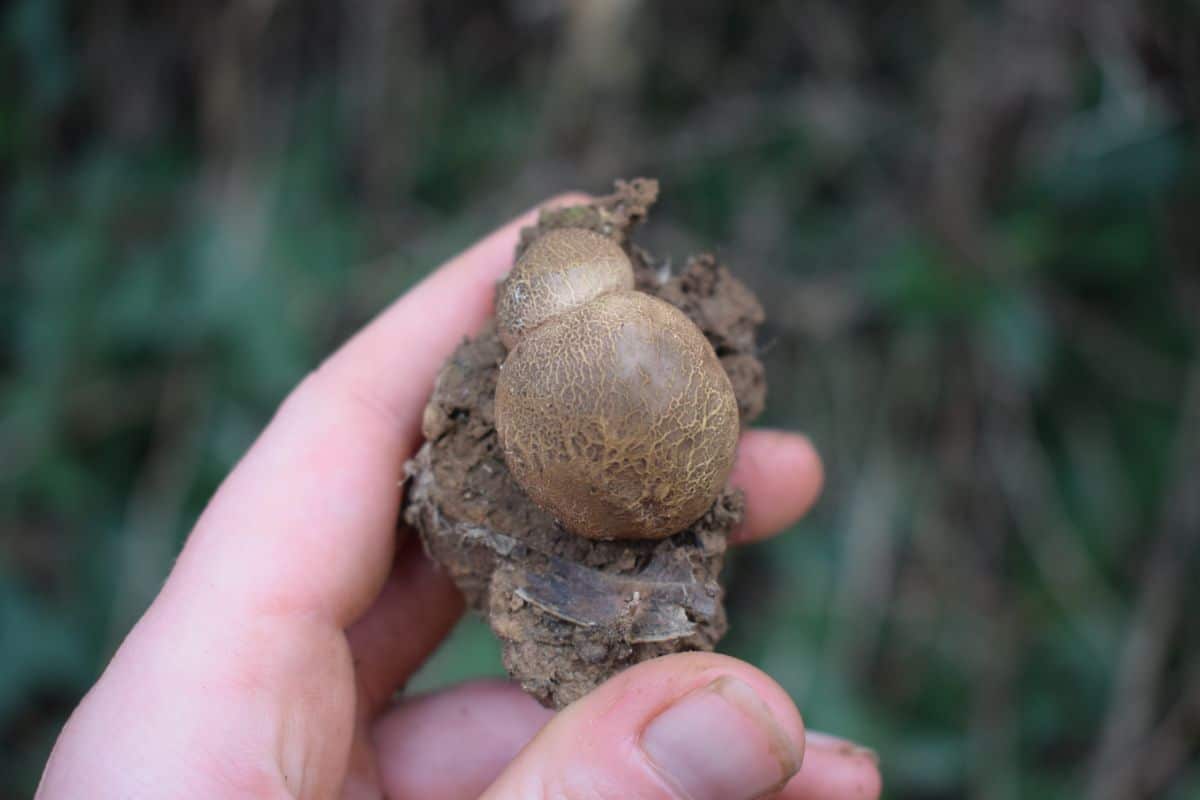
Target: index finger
x=392, y=362
x=306, y=522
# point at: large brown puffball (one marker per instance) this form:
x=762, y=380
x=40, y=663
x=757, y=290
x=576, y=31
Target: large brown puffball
x=613, y=411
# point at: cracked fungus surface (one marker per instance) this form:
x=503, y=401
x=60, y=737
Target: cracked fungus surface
x=617, y=417
x=561, y=270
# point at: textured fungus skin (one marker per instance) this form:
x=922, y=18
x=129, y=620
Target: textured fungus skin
x=562, y=270
x=617, y=417
x=570, y=612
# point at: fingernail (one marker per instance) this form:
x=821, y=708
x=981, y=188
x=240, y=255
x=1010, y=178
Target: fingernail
x=836, y=744
x=721, y=742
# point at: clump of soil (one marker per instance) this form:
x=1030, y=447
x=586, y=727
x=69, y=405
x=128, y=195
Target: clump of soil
x=569, y=611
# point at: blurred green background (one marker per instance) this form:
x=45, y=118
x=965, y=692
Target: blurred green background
x=975, y=225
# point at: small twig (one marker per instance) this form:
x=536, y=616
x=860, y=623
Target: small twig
x=1175, y=740
x=1120, y=758
x=871, y=539
x=1124, y=363
x=1067, y=571
x=147, y=544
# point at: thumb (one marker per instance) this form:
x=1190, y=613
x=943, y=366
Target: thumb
x=694, y=725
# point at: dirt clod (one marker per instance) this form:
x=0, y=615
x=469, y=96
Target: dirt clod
x=569, y=611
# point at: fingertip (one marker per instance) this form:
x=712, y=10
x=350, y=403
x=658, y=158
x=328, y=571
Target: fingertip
x=702, y=724
x=676, y=675
x=835, y=768
x=782, y=476
x=474, y=272
x=394, y=359
x=572, y=197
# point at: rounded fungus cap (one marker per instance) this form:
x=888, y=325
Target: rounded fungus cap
x=617, y=417
x=562, y=269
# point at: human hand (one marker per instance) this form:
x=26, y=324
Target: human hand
x=266, y=667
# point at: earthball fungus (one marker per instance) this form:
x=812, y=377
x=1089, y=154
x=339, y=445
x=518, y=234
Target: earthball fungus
x=613, y=411
x=574, y=478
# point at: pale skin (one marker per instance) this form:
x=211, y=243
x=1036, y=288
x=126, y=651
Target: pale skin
x=269, y=664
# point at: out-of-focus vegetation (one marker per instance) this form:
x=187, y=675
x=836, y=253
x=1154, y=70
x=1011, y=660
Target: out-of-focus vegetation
x=976, y=226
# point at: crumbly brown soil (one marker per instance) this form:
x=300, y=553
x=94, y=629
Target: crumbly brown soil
x=570, y=612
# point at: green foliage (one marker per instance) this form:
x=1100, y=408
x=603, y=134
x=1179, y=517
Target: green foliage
x=998, y=393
